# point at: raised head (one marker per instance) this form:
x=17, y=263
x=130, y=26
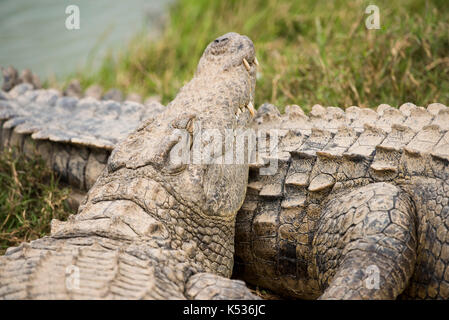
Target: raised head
x=217, y=102
x=227, y=52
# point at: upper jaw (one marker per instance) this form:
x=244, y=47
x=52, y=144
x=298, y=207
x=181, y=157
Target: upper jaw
x=250, y=64
x=242, y=110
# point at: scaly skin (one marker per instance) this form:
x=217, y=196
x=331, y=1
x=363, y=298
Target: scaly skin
x=149, y=228
x=342, y=200
x=355, y=192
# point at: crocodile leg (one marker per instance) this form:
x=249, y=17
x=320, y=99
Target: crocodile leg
x=209, y=286
x=365, y=246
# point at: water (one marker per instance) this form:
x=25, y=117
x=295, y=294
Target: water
x=33, y=33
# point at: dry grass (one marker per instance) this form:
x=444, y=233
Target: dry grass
x=30, y=197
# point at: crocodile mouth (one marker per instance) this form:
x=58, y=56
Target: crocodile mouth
x=113, y=212
x=249, y=63
x=242, y=109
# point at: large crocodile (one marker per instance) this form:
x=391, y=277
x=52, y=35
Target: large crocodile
x=140, y=233
x=357, y=208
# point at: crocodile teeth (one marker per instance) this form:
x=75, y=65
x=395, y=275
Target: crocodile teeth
x=256, y=62
x=251, y=108
x=246, y=64
x=190, y=126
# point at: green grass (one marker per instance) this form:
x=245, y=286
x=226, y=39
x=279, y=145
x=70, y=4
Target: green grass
x=30, y=197
x=311, y=51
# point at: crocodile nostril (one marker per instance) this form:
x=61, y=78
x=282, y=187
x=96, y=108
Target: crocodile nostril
x=221, y=40
x=220, y=45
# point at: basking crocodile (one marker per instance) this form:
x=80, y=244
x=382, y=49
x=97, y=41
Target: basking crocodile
x=359, y=200
x=141, y=233
x=358, y=207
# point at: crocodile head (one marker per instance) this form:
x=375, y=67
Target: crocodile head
x=149, y=191
x=227, y=52
x=185, y=145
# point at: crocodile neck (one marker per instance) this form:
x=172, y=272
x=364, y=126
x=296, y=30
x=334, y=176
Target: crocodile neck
x=142, y=210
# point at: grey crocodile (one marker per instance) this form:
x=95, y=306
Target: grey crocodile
x=140, y=233
x=358, y=207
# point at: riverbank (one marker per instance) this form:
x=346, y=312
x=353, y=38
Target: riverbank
x=310, y=52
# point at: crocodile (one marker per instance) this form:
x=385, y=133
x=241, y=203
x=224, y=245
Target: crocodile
x=357, y=208
x=140, y=233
